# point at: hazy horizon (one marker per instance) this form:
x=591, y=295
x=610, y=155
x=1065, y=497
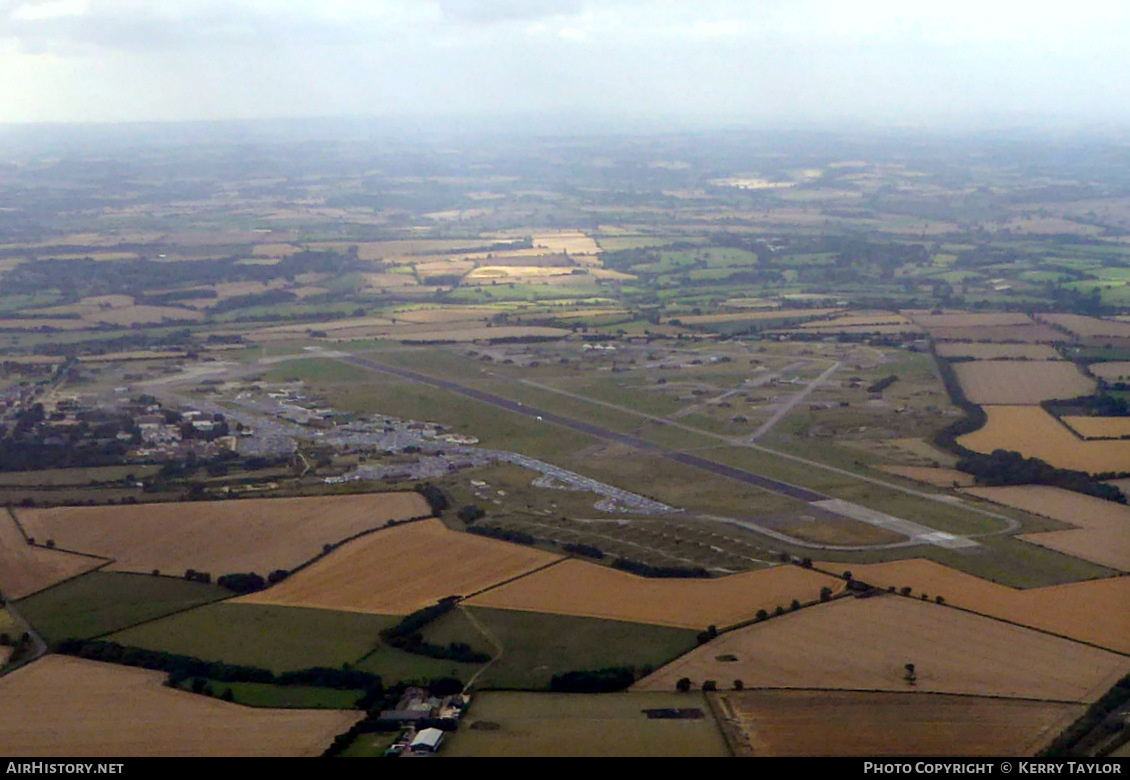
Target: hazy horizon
x=713, y=63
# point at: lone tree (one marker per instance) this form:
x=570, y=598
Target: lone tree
x=710, y=685
x=825, y=593
x=705, y=636
x=738, y=685
x=683, y=685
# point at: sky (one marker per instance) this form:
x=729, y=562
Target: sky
x=678, y=62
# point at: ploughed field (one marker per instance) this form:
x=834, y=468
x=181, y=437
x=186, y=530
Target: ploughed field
x=61, y=706
x=813, y=723
x=1021, y=381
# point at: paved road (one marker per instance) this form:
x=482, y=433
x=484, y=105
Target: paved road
x=789, y=405
x=1010, y=525
x=773, y=485
x=918, y=534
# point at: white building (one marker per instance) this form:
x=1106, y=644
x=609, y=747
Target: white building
x=427, y=741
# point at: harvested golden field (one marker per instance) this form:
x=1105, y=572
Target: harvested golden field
x=275, y=250
x=932, y=476
x=98, y=239
x=34, y=360
x=996, y=351
x=856, y=320
x=767, y=314
x=584, y=313
x=475, y=334
x=572, y=242
x=25, y=569
x=811, y=723
x=1104, y=622
x=1102, y=534
x=1099, y=427
x=1087, y=327
x=386, y=281
x=1017, y=382
x=494, y=272
x=384, y=250
x=445, y=314
x=220, y=537
x=1047, y=226
x=300, y=328
x=963, y=319
x=1115, y=371
x=403, y=569
x=143, y=315
x=575, y=587
x=307, y=292
x=86, y=307
x=539, y=257
x=1028, y=334
x=62, y=706
x=1036, y=434
x=111, y=301
x=605, y=273
x=444, y=267
x=910, y=327
x=864, y=644
x=31, y=324
x=225, y=290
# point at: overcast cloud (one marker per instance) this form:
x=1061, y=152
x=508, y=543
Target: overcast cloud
x=703, y=61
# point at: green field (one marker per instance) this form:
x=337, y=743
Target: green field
x=536, y=646
x=276, y=638
x=494, y=427
x=369, y=745
x=102, y=602
x=53, y=477
x=304, y=697
x=316, y=370
x=612, y=724
x=398, y=666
